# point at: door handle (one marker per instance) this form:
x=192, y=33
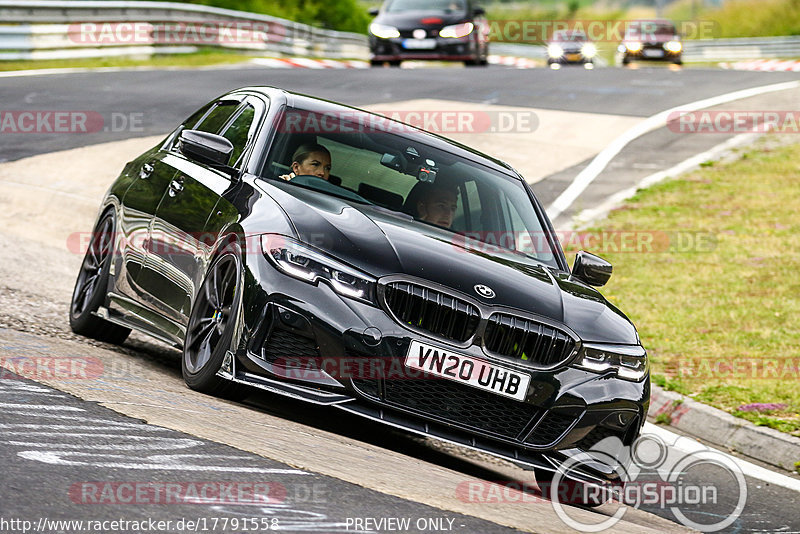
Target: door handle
x=175, y=187
x=146, y=170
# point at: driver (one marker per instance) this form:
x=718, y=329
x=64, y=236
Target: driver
x=433, y=203
x=310, y=159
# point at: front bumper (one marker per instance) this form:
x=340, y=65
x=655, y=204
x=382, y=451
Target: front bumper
x=565, y=411
x=445, y=49
x=570, y=59
x=652, y=53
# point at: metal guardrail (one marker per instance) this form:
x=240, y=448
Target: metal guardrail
x=55, y=29
x=747, y=48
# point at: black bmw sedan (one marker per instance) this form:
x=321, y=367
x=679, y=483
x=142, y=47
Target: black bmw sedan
x=447, y=30
x=338, y=257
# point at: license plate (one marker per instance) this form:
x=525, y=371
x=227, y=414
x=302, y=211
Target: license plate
x=573, y=57
x=419, y=44
x=467, y=370
x=653, y=52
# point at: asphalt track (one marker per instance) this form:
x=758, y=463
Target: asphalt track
x=160, y=99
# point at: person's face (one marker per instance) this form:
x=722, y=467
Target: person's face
x=316, y=164
x=439, y=208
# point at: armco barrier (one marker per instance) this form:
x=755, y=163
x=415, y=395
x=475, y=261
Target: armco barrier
x=51, y=29
x=735, y=49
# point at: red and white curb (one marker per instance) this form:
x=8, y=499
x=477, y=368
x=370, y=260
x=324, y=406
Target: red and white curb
x=305, y=63
x=766, y=65
x=511, y=61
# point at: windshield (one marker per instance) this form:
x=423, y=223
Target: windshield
x=566, y=37
x=645, y=29
x=378, y=163
x=448, y=6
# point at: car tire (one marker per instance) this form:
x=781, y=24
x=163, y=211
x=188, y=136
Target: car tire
x=677, y=61
x=91, y=287
x=625, y=60
x=211, y=326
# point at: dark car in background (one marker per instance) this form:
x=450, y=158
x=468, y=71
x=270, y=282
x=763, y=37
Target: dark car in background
x=570, y=47
x=649, y=40
x=340, y=292
x=447, y=30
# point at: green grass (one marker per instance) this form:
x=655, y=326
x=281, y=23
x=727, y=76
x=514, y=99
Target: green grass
x=735, y=18
x=718, y=312
x=744, y=18
x=198, y=59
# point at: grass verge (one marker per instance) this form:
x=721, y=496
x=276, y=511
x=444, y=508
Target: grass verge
x=197, y=59
x=710, y=279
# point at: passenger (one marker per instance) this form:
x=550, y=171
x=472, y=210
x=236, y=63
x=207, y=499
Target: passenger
x=433, y=203
x=310, y=159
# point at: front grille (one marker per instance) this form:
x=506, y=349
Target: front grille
x=527, y=340
x=432, y=311
x=550, y=428
x=462, y=405
x=283, y=346
x=367, y=386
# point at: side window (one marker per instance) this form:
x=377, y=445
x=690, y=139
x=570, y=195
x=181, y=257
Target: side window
x=468, y=214
x=196, y=116
x=214, y=121
x=239, y=132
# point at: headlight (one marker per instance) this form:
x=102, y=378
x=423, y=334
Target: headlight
x=673, y=46
x=589, y=50
x=383, y=31
x=633, y=46
x=629, y=362
x=457, y=30
x=555, y=51
x=300, y=261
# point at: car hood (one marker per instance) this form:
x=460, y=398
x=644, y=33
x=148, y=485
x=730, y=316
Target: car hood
x=410, y=20
x=381, y=242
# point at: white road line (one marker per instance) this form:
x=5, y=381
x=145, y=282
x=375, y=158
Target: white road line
x=7, y=406
x=601, y=160
x=752, y=470
x=590, y=215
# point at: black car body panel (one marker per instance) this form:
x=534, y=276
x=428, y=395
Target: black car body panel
x=413, y=30
x=518, y=312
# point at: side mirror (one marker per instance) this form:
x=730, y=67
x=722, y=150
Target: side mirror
x=373, y=11
x=205, y=147
x=478, y=11
x=591, y=269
